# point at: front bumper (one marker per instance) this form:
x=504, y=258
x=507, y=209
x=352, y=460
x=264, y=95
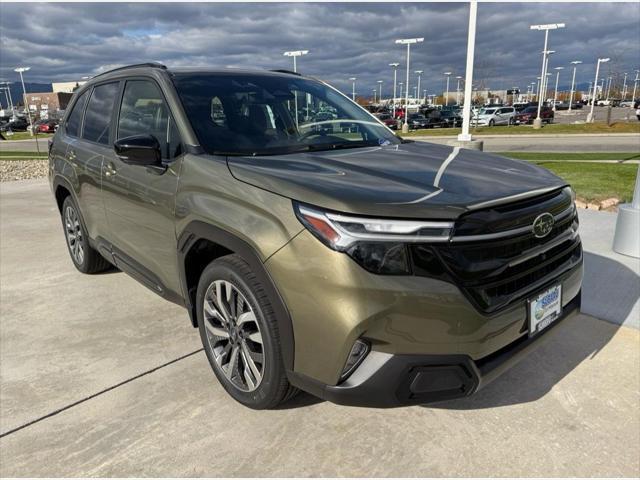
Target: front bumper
x=386, y=380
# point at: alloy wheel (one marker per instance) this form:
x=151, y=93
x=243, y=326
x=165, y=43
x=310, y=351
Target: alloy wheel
x=234, y=336
x=73, y=229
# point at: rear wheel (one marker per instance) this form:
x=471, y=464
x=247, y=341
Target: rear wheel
x=240, y=336
x=85, y=258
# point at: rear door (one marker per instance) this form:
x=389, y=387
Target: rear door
x=139, y=200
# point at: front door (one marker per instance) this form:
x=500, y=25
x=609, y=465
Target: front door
x=139, y=200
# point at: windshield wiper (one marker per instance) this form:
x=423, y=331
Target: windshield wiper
x=340, y=146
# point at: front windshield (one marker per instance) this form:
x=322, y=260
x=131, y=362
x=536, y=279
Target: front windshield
x=267, y=114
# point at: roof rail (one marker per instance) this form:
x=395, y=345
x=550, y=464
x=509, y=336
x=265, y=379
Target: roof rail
x=146, y=64
x=281, y=70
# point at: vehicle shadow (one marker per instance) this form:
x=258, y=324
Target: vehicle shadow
x=577, y=339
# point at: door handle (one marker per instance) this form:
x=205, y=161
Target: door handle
x=71, y=155
x=109, y=170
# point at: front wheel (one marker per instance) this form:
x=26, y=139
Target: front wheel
x=239, y=333
x=491, y=123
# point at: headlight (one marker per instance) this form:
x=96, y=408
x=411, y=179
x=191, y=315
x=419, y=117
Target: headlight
x=378, y=245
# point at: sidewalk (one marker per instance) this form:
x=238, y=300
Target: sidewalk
x=611, y=284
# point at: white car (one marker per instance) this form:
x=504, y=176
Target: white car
x=494, y=116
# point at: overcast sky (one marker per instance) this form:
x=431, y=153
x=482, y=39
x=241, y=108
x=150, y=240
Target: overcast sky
x=68, y=41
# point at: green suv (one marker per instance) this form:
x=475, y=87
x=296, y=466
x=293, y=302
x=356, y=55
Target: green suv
x=312, y=247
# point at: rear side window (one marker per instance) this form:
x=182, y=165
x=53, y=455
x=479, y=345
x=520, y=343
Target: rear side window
x=97, y=119
x=145, y=112
x=75, y=117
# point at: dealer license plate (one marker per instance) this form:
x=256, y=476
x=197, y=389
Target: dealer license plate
x=545, y=309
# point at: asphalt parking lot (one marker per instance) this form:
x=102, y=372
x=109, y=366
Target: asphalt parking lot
x=100, y=377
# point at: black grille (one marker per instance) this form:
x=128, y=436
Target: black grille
x=494, y=273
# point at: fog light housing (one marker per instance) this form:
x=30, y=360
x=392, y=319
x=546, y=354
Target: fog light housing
x=359, y=350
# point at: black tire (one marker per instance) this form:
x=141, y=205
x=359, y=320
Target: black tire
x=89, y=261
x=274, y=388
x=491, y=123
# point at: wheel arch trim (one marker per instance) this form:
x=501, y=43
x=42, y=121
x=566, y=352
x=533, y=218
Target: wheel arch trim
x=196, y=231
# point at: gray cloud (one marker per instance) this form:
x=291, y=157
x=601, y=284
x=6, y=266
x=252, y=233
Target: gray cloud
x=69, y=41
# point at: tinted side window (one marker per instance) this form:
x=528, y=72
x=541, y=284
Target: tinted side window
x=75, y=117
x=97, y=119
x=145, y=112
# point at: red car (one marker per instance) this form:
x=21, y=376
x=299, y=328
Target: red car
x=387, y=119
x=529, y=114
x=48, y=126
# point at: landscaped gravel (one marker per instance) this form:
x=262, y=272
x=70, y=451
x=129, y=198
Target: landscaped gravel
x=11, y=170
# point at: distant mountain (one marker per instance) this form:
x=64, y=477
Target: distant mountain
x=16, y=91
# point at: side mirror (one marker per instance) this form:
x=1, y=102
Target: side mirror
x=143, y=150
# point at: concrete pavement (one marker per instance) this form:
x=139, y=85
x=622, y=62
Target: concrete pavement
x=569, y=409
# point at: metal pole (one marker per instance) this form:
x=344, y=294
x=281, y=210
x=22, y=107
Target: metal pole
x=405, y=127
x=465, y=136
x=446, y=100
x=635, y=84
x=595, y=87
x=624, y=88
x=573, y=81
x=419, y=73
x=538, y=120
x=353, y=88
x=555, y=91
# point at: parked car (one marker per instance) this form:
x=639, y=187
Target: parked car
x=519, y=106
x=451, y=118
x=494, y=116
x=529, y=114
x=47, y=126
x=387, y=119
x=418, y=120
x=402, y=274
x=18, y=125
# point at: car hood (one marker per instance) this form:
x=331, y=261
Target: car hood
x=411, y=180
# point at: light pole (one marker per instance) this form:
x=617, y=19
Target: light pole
x=295, y=54
x=353, y=88
x=395, y=83
x=533, y=84
x=575, y=63
x=7, y=93
x=624, y=87
x=538, y=88
x=401, y=84
x=380, y=91
x=555, y=92
x=465, y=136
x=374, y=95
x=21, y=70
x=595, y=87
x=424, y=95
x=446, y=99
x=458, y=78
x=408, y=42
x=419, y=72
x=608, y=87
x=545, y=80
x=552, y=26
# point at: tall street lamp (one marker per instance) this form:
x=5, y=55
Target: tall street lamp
x=21, y=70
x=545, y=81
x=458, y=78
x=374, y=95
x=419, y=72
x=353, y=88
x=555, y=91
x=446, y=98
x=608, y=87
x=295, y=54
x=464, y=135
x=624, y=87
x=401, y=84
x=395, y=83
x=575, y=63
x=408, y=42
x=380, y=91
x=552, y=26
x=595, y=87
x=7, y=93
